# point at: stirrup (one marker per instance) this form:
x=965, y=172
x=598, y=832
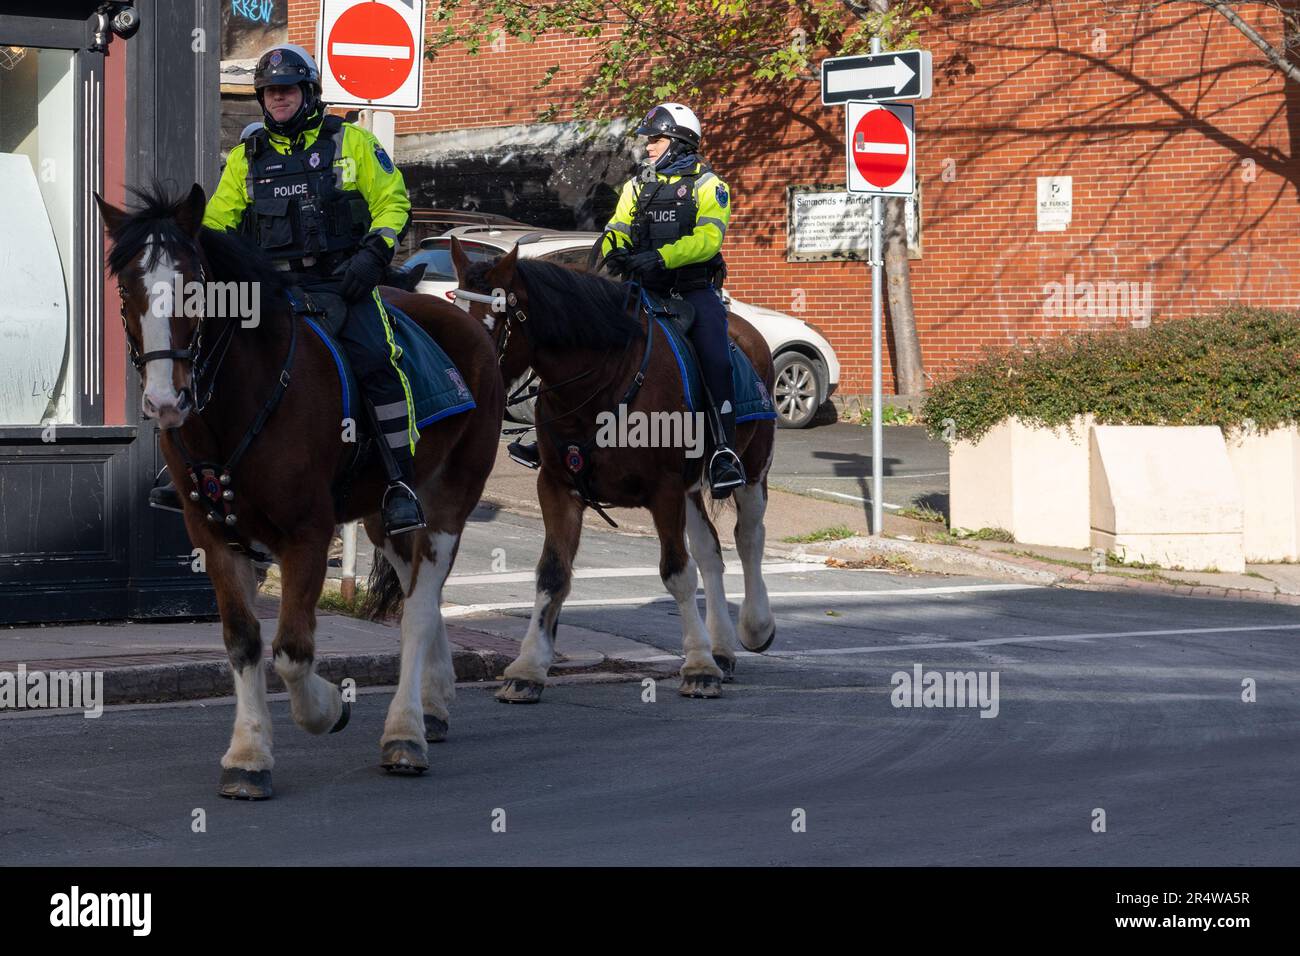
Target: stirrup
x=395, y=522
x=722, y=488
x=163, y=495
x=526, y=455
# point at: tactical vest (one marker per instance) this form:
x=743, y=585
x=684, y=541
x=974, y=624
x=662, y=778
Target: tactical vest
x=297, y=210
x=666, y=212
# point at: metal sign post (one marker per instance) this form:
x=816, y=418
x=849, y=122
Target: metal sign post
x=880, y=160
x=877, y=313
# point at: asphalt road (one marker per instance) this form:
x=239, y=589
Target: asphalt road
x=834, y=462
x=1122, y=703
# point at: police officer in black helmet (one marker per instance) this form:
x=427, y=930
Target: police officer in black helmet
x=325, y=202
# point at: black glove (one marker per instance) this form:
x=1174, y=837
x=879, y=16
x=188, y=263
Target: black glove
x=364, y=270
x=640, y=265
x=616, y=261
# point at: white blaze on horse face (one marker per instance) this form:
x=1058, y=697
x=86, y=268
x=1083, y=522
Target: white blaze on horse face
x=159, y=399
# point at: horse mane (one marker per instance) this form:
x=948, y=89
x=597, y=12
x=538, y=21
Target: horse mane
x=568, y=309
x=232, y=257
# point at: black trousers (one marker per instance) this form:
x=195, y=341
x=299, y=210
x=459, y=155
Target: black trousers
x=367, y=338
x=709, y=336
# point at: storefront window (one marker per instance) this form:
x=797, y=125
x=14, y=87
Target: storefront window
x=38, y=182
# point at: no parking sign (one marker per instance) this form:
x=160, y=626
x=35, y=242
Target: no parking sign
x=372, y=53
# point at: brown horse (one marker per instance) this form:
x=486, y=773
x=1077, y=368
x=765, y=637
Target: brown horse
x=258, y=398
x=588, y=345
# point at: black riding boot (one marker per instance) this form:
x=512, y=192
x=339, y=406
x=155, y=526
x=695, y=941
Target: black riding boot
x=725, y=470
x=163, y=494
x=525, y=453
x=402, y=511
x=401, y=508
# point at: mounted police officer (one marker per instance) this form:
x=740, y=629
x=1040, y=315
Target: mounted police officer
x=666, y=233
x=324, y=201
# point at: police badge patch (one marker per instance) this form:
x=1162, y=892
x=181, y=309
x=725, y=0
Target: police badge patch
x=681, y=192
x=314, y=161
x=723, y=198
x=384, y=161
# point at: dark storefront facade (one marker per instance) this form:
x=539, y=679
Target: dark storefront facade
x=77, y=539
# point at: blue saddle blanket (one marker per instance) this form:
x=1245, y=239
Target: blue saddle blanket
x=752, y=401
x=437, y=387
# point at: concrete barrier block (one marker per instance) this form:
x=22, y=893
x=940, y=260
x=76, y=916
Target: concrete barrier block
x=1267, y=467
x=1166, y=495
x=979, y=481
x=1031, y=481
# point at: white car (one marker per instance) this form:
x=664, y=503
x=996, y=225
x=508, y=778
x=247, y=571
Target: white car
x=807, y=371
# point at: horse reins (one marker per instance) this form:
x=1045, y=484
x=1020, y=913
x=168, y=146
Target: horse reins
x=578, y=463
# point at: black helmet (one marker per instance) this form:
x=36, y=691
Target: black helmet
x=675, y=121
x=289, y=65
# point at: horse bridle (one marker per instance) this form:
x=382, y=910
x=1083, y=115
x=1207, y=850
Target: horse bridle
x=512, y=302
x=212, y=480
x=192, y=353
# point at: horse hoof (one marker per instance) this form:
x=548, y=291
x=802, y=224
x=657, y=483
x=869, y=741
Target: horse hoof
x=403, y=756
x=237, y=784
x=435, y=729
x=701, y=686
x=343, y=718
x=767, y=643
x=516, y=690
x=728, y=667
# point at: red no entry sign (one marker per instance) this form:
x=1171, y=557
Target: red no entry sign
x=881, y=145
x=373, y=51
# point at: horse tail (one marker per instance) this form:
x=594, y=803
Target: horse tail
x=383, y=591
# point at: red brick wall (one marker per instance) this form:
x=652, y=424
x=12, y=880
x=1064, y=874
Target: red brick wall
x=1154, y=129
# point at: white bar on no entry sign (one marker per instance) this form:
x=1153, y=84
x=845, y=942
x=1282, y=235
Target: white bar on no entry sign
x=899, y=149
x=371, y=49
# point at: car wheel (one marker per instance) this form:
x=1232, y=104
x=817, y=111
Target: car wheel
x=523, y=412
x=798, y=390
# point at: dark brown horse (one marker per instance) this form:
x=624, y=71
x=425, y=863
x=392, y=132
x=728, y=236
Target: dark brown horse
x=267, y=368
x=588, y=345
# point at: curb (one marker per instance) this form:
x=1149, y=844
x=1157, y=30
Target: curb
x=194, y=680
x=206, y=679
x=952, y=559
x=944, y=559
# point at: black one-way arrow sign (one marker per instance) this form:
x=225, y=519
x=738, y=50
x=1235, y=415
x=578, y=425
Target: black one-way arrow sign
x=901, y=75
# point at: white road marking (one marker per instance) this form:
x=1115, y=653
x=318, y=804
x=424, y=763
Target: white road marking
x=986, y=642
x=840, y=494
x=464, y=610
x=527, y=577
x=863, y=478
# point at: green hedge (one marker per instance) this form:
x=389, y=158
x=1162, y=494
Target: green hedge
x=1240, y=364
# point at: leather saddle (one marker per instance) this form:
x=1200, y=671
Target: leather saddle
x=680, y=312
x=319, y=298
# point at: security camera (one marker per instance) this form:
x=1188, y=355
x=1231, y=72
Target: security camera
x=126, y=23
x=119, y=17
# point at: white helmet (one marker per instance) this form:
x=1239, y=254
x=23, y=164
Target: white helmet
x=674, y=121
